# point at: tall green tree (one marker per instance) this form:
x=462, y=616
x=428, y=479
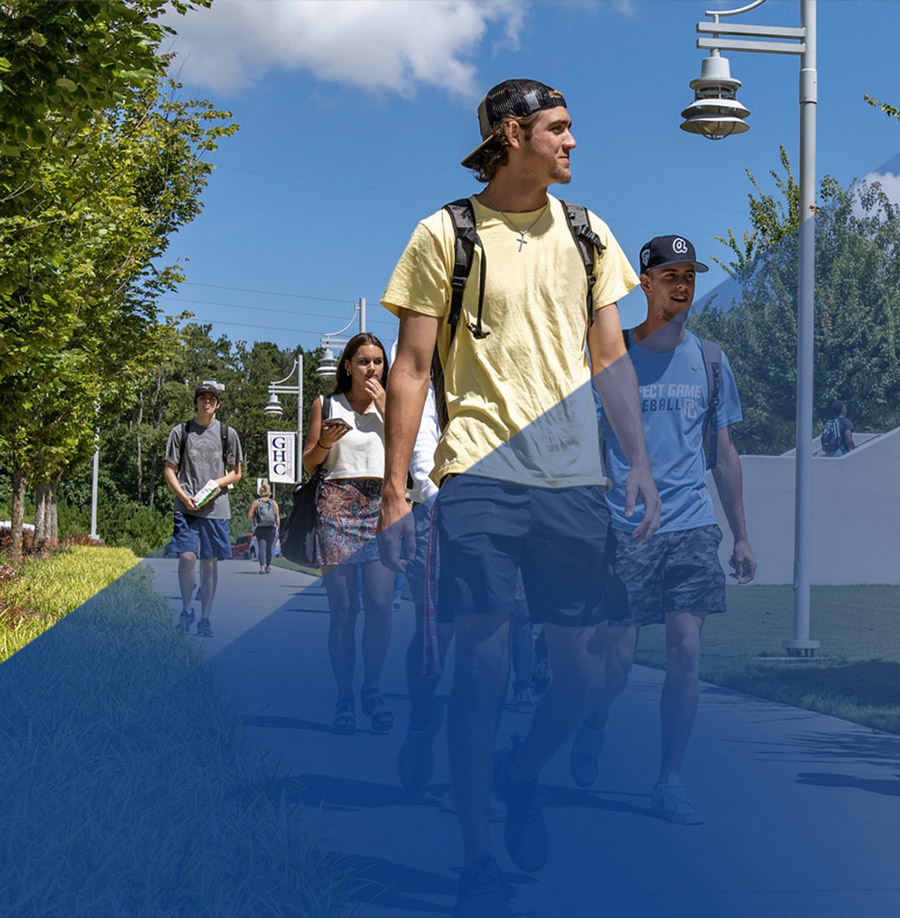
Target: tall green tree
x=857, y=319
x=81, y=270
x=62, y=62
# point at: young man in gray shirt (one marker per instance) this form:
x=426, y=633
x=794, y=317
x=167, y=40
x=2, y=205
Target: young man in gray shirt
x=197, y=452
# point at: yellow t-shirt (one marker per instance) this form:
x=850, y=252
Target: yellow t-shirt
x=518, y=404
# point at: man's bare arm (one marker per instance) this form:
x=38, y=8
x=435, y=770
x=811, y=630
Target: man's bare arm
x=232, y=476
x=616, y=384
x=407, y=388
x=171, y=476
x=729, y=483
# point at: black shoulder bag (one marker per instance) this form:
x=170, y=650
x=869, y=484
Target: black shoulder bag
x=298, y=531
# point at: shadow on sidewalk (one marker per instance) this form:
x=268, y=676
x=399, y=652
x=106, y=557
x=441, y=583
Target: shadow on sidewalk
x=385, y=884
x=889, y=787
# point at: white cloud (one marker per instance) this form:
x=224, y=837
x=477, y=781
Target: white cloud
x=375, y=45
x=890, y=185
x=627, y=8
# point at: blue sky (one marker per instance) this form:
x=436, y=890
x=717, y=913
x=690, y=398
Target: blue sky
x=354, y=115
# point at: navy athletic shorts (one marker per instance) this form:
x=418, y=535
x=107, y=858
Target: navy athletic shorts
x=211, y=537
x=560, y=538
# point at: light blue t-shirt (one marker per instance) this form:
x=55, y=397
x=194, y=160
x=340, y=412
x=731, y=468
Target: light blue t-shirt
x=674, y=398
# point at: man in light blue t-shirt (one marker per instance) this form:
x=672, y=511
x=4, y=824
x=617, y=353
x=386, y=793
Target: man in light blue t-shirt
x=675, y=577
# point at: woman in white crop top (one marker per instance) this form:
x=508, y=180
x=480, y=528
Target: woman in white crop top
x=349, y=443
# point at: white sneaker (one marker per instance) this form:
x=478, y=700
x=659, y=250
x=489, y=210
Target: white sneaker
x=672, y=802
x=497, y=812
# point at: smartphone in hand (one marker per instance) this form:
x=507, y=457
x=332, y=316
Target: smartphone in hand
x=338, y=423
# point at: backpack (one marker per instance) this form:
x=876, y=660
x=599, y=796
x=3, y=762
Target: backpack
x=712, y=363
x=831, y=435
x=462, y=215
x=184, y=438
x=265, y=513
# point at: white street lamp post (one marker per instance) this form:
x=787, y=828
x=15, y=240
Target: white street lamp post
x=95, y=475
x=273, y=407
x=715, y=114
x=327, y=368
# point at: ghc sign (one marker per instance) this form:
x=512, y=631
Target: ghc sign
x=282, y=456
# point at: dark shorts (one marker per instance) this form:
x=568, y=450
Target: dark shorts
x=561, y=539
x=204, y=537
x=672, y=572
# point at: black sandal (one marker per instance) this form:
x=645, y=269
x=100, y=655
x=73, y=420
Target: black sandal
x=344, y=723
x=373, y=706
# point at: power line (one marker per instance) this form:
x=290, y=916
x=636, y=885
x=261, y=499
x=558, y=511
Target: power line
x=339, y=155
x=321, y=181
x=297, y=331
x=298, y=296
x=290, y=312
x=700, y=205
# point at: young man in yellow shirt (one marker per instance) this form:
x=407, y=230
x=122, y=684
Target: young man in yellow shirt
x=518, y=460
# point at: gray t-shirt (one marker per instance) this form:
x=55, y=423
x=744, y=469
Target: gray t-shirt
x=202, y=461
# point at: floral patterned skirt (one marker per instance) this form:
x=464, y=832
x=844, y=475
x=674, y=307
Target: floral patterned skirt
x=348, y=511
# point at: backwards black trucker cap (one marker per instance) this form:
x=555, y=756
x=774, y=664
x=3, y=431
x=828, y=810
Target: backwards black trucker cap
x=669, y=250
x=519, y=98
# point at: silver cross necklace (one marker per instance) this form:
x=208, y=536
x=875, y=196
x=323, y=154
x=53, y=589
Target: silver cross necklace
x=522, y=232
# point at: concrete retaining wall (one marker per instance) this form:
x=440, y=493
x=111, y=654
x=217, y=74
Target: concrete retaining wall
x=855, y=514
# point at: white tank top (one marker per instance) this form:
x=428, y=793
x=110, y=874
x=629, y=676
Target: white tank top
x=360, y=452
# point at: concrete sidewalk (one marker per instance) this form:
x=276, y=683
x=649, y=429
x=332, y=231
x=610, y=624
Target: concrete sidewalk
x=802, y=810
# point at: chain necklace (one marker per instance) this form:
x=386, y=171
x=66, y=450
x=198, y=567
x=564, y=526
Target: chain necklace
x=522, y=232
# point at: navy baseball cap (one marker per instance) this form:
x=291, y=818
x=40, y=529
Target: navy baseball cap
x=518, y=98
x=669, y=250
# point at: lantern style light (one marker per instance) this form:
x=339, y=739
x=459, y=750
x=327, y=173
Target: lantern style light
x=327, y=367
x=715, y=112
x=273, y=408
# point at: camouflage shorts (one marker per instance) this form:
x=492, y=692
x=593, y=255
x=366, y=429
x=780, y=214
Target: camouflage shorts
x=672, y=572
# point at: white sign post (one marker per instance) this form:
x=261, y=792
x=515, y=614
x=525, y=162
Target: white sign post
x=282, y=447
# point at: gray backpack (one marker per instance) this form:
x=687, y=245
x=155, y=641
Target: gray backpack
x=265, y=513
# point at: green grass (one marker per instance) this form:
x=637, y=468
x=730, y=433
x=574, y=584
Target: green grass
x=302, y=568
x=45, y=590
x=854, y=674
x=128, y=788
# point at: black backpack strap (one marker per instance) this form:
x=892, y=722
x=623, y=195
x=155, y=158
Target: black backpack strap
x=224, y=430
x=712, y=361
x=440, y=393
x=588, y=244
x=185, y=429
x=462, y=216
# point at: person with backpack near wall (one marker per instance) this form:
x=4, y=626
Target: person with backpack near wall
x=520, y=484
x=266, y=517
x=203, y=457
x=688, y=399
x=837, y=434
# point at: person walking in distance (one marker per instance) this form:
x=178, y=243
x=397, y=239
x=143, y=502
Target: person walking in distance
x=266, y=516
x=520, y=484
x=203, y=457
x=688, y=397
x=837, y=434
